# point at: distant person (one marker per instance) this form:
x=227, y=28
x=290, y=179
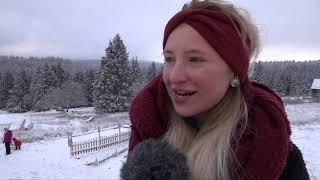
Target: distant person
x=7, y=138
x=204, y=104
x=17, y=143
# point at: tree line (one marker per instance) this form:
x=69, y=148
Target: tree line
x=108, y=84
x=287, y=78
x=39, y=84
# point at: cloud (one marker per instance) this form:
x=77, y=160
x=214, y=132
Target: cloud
x=286, y=22
x=82, y=29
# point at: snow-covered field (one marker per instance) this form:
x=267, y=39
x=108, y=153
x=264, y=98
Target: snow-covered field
x=47, y=154
x=52, y=124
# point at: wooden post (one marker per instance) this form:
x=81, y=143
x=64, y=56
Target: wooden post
x=99, y=137
x=70, y=143
x=119, y=125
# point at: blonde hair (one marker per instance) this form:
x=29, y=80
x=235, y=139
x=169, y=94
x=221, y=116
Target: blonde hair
x=209, y=150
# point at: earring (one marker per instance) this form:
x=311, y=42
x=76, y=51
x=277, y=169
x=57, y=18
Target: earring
x=234, y=82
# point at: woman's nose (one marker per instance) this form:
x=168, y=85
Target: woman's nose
x=178, y=73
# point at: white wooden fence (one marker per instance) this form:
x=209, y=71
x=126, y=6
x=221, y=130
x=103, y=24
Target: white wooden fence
x=96, y=144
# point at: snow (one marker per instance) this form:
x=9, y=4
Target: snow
x=50, y=158
x=104, y=133
x=53, y=123
x=306, y=113
x=315, y=84
x=307, y=137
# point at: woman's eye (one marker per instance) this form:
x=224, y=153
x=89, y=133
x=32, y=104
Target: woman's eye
x=168, y=59
x=196, y=59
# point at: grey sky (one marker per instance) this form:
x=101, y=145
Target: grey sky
x=82, y=28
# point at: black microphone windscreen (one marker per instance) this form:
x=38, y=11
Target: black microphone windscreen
x=155, y=160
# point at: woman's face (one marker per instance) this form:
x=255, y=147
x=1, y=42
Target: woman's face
x=195, y=76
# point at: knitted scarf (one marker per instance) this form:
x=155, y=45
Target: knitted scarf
x=263, y=148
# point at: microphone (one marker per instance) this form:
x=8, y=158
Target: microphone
x=154, y=160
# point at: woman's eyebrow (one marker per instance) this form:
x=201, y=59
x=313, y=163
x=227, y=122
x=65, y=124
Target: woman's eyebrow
x=167, y=52
x=195, y=51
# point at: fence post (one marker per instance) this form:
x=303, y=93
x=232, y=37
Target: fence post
x=70, y=143
x=119, y=126
x=99, y=137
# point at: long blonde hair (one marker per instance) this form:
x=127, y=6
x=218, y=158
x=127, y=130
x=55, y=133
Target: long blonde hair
x=208, y=150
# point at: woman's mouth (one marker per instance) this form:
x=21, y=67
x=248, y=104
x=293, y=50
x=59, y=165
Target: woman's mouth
x=184, y=92
x=182, y=95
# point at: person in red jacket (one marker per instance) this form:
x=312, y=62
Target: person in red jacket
x=17, y=143
x=7, y=138
x=204, y=104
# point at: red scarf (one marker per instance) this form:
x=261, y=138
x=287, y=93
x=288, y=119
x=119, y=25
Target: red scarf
x=263, y=148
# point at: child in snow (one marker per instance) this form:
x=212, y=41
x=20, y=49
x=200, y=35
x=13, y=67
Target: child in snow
x=17, y=143
x=7, y=138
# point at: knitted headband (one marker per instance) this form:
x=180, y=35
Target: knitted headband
x=220, y=32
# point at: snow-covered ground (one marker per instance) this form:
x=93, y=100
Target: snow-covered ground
x=49, y=158
x=52, y=124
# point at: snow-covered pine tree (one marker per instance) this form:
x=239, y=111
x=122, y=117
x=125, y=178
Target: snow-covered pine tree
x=152, y=71
x=258, y=72
x=79, y=77
x=6, y=85
x=89, y=80
x=112, y=90
x=20, y=89
x=49, y=77
x=44, y=81
x=60, y=74
x=38, y=89
x=136, y=75
x=21, y=85
x=293, y=79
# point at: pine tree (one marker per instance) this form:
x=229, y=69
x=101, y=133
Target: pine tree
x=112, y=90
x=293, y=83
x=152, y=71
x=89, y=80
x=6, y=86
x=258, y=72
x=20, y=89
x=40, y=85
x=22, y=85
x=79, y=77
x=49, y=77
x=136, y=76
x=60, y=74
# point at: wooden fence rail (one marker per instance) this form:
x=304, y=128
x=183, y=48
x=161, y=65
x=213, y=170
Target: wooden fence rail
x=95, y=144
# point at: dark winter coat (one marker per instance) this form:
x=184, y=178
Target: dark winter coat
x=295, y=168
x=7, y=137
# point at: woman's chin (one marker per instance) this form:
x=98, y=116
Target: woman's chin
x=183, y=112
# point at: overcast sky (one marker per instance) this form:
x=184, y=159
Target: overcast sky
x=81, y=29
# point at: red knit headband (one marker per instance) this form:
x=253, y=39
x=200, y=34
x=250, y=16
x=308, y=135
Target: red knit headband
x=220, y=32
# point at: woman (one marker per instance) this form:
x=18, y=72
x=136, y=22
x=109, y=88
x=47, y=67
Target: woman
x=7, y=138
x=205, y=105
